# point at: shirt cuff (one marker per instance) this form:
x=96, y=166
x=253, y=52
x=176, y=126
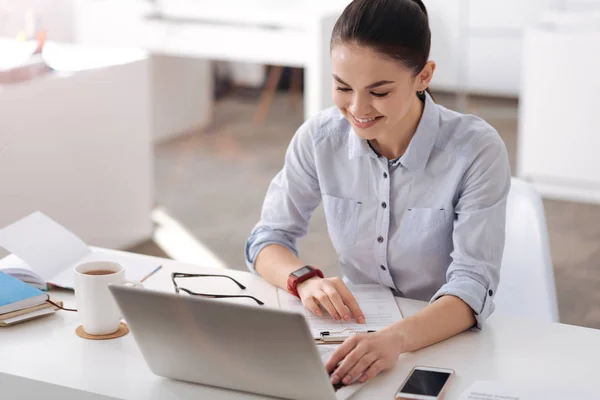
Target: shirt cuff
x=261, y=239
x=475, y=294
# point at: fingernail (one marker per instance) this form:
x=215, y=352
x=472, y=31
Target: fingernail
x=335, y=379
x=347, y=379
x=361, y=320
x=347, y=318
x=362, y=379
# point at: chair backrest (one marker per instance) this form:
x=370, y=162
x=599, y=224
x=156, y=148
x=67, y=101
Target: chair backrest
x=526, y=278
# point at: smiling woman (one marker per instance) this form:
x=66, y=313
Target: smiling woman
x=380, y=59
x=414, y=194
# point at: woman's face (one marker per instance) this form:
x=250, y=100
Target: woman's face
x=373, y=92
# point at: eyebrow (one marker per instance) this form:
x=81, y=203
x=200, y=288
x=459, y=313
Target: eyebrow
x=371, y=86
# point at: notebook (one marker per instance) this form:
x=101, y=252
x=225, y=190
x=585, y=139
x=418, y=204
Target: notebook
x=376, y=302
x=16, y=295
x=43, y=251
x=26, y=314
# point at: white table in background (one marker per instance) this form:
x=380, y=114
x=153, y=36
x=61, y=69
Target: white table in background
x=45, y=359
x=276, y=32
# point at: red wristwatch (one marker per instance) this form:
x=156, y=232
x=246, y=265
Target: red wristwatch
x=301, y=275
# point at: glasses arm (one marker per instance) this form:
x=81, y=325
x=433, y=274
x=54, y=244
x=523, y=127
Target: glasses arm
x=184, y=275
x=222, y=296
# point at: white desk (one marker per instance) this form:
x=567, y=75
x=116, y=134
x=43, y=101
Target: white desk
x=77, y=146
x=258, y=31
x=44, y=358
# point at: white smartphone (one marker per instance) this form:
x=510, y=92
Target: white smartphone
x=425, y=383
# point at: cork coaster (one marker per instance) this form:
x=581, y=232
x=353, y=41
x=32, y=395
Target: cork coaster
x=122, y=331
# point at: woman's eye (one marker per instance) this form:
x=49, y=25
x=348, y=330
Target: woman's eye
x=380, y=94
x=343, y=89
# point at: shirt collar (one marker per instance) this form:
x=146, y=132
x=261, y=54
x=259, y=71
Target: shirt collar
x=419, y=148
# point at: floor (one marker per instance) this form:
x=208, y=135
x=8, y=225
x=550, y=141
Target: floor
x=214, y=181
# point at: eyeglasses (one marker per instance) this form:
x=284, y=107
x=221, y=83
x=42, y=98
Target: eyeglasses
x=214, y=296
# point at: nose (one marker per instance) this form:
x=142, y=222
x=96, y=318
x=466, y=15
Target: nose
x=360, y=105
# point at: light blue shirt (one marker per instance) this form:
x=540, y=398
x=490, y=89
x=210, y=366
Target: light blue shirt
x=426, y=225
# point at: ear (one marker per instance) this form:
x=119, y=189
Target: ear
x=425, y=76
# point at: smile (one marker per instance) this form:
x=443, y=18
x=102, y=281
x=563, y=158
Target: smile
x=364, y=123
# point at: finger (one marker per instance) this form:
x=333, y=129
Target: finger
x=312, y=305
x=338, y=303
x=325, y=301
x=350, y=301
x=372, y=371
x=361, y=366
x=340, y=353
x=347, y=364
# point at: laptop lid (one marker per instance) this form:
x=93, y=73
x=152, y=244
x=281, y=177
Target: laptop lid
x=235, y=346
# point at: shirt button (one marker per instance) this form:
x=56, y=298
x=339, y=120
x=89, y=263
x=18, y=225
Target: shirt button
x=382, y=267
x=383, y=205
x=491, y=292
x=380, y=239
x=385, y=175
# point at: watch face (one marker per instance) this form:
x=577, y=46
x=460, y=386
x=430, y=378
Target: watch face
x=302, y=271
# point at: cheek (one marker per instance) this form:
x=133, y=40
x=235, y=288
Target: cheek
x=339, y=98
x=393, y=108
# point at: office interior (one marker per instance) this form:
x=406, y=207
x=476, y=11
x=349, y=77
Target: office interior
x=148, y=139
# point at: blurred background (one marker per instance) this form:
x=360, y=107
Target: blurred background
x=156, y=126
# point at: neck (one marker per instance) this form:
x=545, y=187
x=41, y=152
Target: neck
x=393, y=144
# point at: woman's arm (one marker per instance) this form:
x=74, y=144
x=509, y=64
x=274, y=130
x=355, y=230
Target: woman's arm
x=271, y=249
x=369, y=354
x=275, y=263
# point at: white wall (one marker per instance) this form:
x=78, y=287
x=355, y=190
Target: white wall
x=53, y=15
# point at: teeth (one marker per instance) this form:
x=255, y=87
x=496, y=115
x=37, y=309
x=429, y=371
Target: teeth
x=365, y=120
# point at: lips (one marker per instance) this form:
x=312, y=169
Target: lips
x=364, y=123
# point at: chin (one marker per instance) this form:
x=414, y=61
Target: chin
x=367, y=134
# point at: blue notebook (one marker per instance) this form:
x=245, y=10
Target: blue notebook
x=17, y=295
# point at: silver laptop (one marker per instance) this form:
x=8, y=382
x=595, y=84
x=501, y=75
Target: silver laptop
x=235, y=346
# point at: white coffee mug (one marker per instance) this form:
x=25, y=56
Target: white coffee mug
x=97, y=309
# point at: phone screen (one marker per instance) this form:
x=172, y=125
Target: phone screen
x=426, y=383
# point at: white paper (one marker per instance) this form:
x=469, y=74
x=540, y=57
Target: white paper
x=15, y=267
x=44, y=245
x=376, y=302
x=51, y=251
x=492, y=390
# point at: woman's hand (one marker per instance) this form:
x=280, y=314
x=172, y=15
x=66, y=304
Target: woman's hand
x=364, y=354
x=333, y=295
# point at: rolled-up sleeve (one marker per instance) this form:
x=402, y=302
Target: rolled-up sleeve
x=479, y=230
x=291, y=198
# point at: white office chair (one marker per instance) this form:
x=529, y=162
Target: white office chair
x=526, y=279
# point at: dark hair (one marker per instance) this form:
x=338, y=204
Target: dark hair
x=398, y=29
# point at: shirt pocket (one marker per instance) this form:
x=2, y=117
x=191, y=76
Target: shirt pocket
x=425, y=229
x=342, y=220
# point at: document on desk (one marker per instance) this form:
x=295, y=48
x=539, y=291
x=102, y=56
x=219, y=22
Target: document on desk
x=376, y=302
